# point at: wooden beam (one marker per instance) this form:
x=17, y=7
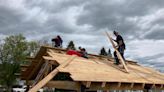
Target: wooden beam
x=114, y=86
x=67, y=85
x=103, y=84
x=35, y=69
x=51, y=60
x=132, y=85
x=119, y=84
x=47, y=70
x=45, y=80
x=88, y=84
x=118, y=53
x=143, y=85
x=153, y=86
x=41, y=73
x=48, y=58
x=73, y=85
x=161, y=86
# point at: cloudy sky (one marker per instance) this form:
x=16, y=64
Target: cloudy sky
x=140, y=22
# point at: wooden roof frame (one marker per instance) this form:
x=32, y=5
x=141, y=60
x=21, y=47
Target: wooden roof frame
x=45, y=55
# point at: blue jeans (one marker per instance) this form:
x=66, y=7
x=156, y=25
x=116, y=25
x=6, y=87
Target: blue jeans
x=121, y=50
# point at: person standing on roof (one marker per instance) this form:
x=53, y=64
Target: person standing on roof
x=120, y=47
x=58, y=41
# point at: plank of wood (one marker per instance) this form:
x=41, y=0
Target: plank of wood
x=132, y=85
x=103, y=84
x=145, y=75
x=143, y=85
x=161, y=86
x=39, y=62
x=50, y=75
x=113, y=86
x=118, y=53
x=153, y=86
x=71, y=85
x=40, y=74
x=51, y=60
x=47, y=70
x=88, y=84
x=119, y=84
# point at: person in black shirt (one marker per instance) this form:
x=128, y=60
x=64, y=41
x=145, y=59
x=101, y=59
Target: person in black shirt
x=120, y=47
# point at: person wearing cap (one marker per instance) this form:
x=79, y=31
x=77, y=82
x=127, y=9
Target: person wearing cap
x=120, y=47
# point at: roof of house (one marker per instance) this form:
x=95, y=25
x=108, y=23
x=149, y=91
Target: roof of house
x=94, y=69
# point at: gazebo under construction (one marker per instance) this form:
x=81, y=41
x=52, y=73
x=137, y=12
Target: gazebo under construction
x=83, y=75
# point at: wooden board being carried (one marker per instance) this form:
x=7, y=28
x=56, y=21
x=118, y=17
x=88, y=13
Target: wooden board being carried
x=118, y=53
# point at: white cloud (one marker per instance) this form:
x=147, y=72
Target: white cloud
x=144, y=48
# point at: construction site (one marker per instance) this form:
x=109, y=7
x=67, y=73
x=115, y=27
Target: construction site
x=91, y=74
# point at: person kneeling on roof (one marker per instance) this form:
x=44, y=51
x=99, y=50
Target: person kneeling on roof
x=83, y=52
x=120, y=47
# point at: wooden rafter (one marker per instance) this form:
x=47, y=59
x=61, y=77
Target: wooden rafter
x=51, y=60
x=153, y=86
x=34, y=69
x=119, y=84
x=161, y=86
x=143, y=85
x=103, y=84
x=88, y=84
x=41, y=73
x=132, y=85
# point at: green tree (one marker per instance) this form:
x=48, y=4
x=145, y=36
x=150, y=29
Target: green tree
x=13, y=52
x=103, y=52
x=71, y=45
x=33, y=48
x=109, y=52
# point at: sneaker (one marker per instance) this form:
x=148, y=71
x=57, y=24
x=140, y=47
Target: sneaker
x=116, y=63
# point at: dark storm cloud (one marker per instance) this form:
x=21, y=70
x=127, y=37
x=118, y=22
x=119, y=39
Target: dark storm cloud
x=53, y=6
x=8, y=20
x=152, y=61
x=115, y=15
x=156, y=34
x=84, y=22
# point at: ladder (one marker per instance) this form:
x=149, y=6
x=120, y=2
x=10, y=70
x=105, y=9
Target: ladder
x=40, y=74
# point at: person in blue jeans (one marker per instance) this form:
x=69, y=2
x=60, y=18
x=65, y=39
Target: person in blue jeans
x=120, y=47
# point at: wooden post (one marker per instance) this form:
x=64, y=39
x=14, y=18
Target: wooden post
x=50, y=75
x=119, y=84
x=143, y=85
x=41, y=73
x=132, y=85
x=161, y=86
x=103, y=84
x=118, y=53
x=88, y=84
